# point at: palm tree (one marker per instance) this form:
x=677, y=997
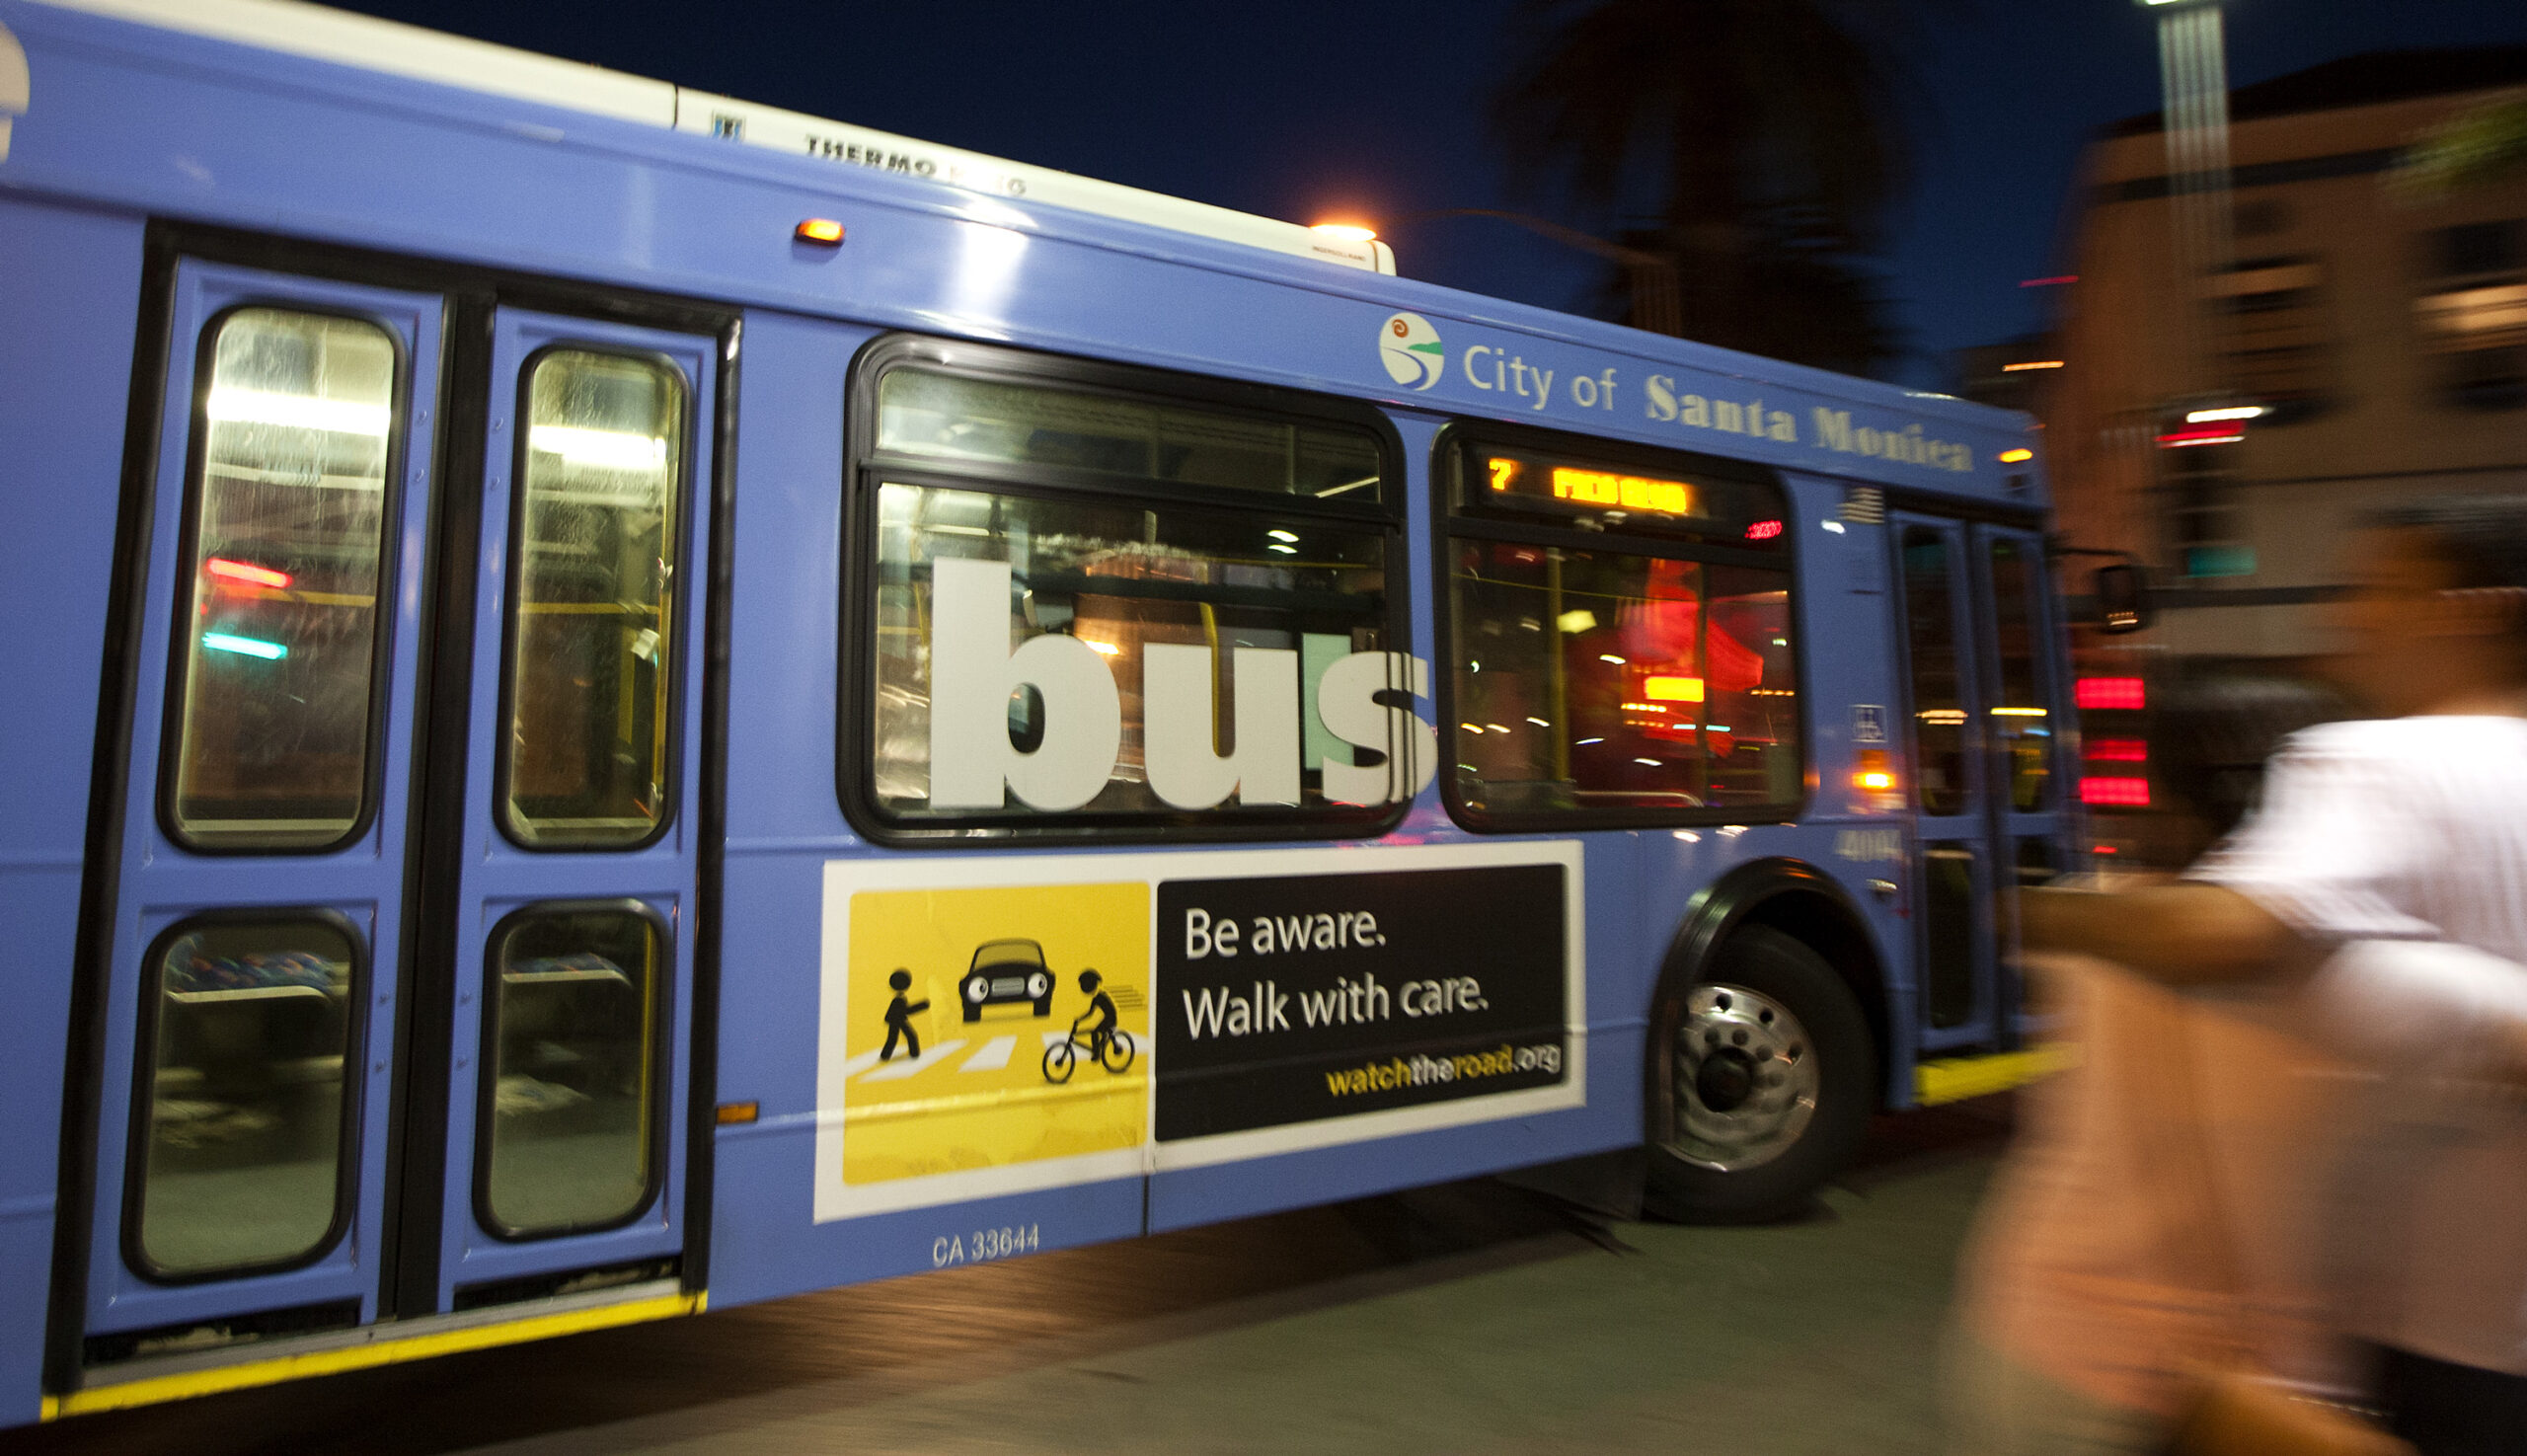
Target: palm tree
x=2479, y=147
x=1764, y=140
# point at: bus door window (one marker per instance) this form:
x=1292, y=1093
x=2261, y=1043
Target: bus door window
x=2021, y=720
x=287, y=532
x=1944, y=734
x=2021, y=726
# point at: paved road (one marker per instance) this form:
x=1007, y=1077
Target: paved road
x=1473, y=1317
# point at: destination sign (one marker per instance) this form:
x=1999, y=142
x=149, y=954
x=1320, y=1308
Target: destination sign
x=1729, y=510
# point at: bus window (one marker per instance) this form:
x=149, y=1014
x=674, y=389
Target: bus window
x=2022, y=723
x=1621, y=638
x=1597, y=679
x=286, y=536
x=591, y=644
x=1150, y=657
x=1939, y=704
x=948, y=418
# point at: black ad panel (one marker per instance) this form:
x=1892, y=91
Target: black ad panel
x=1309, y=996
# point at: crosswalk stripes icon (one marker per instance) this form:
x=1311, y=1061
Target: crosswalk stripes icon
x=1412, y=352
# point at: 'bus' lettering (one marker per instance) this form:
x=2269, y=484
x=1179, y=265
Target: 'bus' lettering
x=1362, y=698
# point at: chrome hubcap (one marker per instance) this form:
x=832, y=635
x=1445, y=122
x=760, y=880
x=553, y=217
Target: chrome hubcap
x=1745, y=1079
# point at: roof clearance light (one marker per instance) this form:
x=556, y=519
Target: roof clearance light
x=2017, y=456
x=1672, y=689
x=2111, y=692
x=1348, y=232
x=1763, y=530
x=2119, y=793
x=245, y=574
x=244, y=646
x=2234, y=412
x=2021, y=369
x=824, y=232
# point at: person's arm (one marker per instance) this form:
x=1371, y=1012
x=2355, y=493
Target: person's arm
x=2183, y=933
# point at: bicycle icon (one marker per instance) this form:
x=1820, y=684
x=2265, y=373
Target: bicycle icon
x=1112, y=1050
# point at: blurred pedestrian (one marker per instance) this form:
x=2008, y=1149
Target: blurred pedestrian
x=2148, y=1224
x=2408, y=827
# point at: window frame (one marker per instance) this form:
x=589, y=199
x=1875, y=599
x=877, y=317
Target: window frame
x=681, y=519
x=660, y=1051
x=1450, y=455
x=171, y=733
x=144, y=1064
x=866, y=469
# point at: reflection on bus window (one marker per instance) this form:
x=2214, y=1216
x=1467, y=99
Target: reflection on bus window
x=240, y=1152
x=1593, y=680
x=2022, y=727
x=592, y=632
x=287, y=521
x=952, y=419
x=571, y=1032
x=1217, y=594
x=1940, y=731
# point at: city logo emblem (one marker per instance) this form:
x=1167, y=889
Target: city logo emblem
x=1412, y=352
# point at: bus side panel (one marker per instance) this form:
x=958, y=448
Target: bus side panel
x=68, y=321
x=1851, y=680
x=784, y=822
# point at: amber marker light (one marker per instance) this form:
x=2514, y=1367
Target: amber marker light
x=2017, y=457
x=824, y=232
x=730, y=1113
x=1348, y=232
x=1873, y=774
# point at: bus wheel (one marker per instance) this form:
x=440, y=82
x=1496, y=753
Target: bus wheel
x=1767, y=1078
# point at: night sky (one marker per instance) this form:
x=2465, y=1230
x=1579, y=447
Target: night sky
x=1308, y=109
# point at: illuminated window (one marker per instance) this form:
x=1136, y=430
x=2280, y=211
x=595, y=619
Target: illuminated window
x=287, y=521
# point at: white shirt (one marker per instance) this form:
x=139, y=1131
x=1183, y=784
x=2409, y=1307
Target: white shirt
x=2415, y=829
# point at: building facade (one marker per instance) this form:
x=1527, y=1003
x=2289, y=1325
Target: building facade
x=2379, y=334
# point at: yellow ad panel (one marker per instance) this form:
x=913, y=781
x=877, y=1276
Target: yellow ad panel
x=994, y=1027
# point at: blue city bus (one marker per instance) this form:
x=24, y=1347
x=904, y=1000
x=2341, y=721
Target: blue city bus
x=645, y=699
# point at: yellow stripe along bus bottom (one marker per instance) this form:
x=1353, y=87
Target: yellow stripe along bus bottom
x=1958, y=1078
x=161, y=1388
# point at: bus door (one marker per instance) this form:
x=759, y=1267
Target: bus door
x=1979, y=682
x=2015, y=631
x=397, y=979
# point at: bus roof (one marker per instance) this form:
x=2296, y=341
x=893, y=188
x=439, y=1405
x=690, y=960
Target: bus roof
x=343, y=38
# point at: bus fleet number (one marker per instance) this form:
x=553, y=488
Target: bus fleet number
x=983, y=1244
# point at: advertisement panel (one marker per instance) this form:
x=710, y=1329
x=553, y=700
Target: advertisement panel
x=993, y=1025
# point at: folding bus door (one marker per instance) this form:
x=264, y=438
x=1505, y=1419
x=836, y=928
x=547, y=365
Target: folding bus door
x=398, y=970
x=2030, y=829
x=1948, y=778
x=571, y=913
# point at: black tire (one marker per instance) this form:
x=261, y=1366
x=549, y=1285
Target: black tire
x=1775, y=1175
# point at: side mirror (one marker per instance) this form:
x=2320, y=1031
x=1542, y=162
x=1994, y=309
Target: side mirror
x=2122, y=593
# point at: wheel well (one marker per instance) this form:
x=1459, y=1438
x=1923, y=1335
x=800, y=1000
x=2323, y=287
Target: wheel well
x=1825, y=927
